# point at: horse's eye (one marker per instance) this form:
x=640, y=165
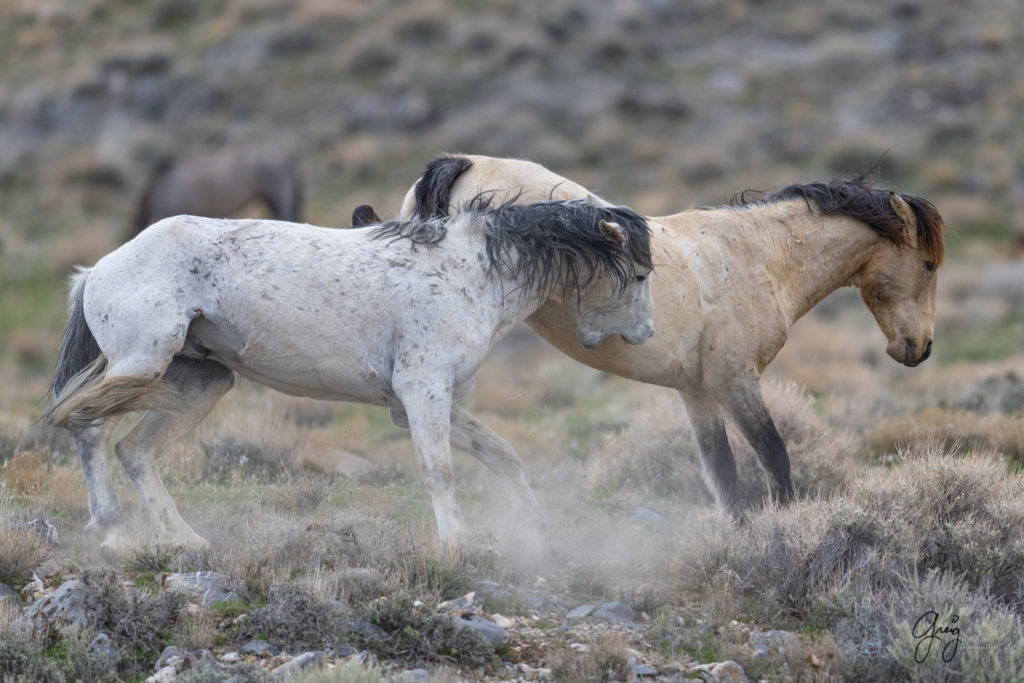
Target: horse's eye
x=641, y=278
x=930, y=265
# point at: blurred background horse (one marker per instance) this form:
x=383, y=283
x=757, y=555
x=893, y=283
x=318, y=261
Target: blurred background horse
x=218, y=185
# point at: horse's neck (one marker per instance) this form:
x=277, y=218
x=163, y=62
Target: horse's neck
x=804, y=255
x=808, y=255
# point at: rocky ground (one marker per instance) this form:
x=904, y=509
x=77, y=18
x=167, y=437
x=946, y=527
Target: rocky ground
x=545, y=639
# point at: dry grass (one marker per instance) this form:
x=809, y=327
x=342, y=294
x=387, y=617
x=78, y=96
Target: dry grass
x=863, y=563
x=663, y=456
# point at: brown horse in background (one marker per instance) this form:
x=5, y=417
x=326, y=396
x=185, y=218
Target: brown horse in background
x=219, y=184
x=730, y=283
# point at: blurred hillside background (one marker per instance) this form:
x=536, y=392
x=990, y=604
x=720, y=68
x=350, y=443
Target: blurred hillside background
x=658, y=104
x=662, y=105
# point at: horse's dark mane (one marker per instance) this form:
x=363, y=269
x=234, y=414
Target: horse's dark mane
x=561, y=242
x=544, y=244
x=427, y=231
x=859, y=199
x=433, y=190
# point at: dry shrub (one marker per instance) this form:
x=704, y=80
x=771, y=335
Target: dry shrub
x=663, y=456
x=25, y=472
x=21, y=551
x=971, y=430
x=849, y=562
x=605, y=660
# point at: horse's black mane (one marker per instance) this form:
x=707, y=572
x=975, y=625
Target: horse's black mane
x=859, y=199
x=546, y=243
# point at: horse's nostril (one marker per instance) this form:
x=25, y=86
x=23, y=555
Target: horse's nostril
x=927, y=351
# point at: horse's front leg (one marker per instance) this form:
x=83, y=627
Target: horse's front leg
x=718, y=465
x=428, y=407
x=746, y=406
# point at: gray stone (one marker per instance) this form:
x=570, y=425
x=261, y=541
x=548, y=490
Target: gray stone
x=343, y=650
x=366, y=629
x=62, y=611
x=302, y=662
x=488, y=630
x=104, y=646
x=614, y=611
x=724, y=672
x=413, y=676
x=260, y=648
x=644, y=670
x=171, y=656
x=7, y=592
x=581, y=612
x=204, y=587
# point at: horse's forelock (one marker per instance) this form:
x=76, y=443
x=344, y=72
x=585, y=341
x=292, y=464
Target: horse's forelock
x=929, y=227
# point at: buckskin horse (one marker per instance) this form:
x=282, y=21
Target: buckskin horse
x=730, y=283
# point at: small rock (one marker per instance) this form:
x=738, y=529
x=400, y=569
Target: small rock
x=201, y=660
x=61, y=611
x=171, y=656
x=302, y=662
x=459, y=604
x=644, y=670
x=366, y=629
x=614, y=611
x=104, y=646
x=343, y=650
x=260, y=648
x=230, y=658
x=7, y=592
x=726, y=672
x=503, y=621
x=413, y=676
x=488, y=630
x=580, y=647
x=205, y=587
x=581, y=612
x=163, y=675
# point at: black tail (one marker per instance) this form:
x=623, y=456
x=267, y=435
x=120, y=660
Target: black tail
x=434, y=189
x=78, y=348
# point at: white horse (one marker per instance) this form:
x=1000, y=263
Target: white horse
x=731, y=282
x=398, y=316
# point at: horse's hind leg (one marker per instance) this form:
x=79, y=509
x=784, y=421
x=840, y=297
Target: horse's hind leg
x=105, y=518
x=200, y=385
x=474, y=437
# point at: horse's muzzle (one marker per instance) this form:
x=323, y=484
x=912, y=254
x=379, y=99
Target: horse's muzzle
x=910, y=357
x=644, y=334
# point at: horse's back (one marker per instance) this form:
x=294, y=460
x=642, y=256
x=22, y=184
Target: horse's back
x=504, y=179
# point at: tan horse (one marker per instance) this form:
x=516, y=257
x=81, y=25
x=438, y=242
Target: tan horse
x=730, y=282
x=218, y=185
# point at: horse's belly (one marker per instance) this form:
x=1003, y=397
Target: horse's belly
x=300, y=365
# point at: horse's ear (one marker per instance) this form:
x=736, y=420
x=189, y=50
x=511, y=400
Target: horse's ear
x=364, y=215
x=906, y=213
x=614, y=232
